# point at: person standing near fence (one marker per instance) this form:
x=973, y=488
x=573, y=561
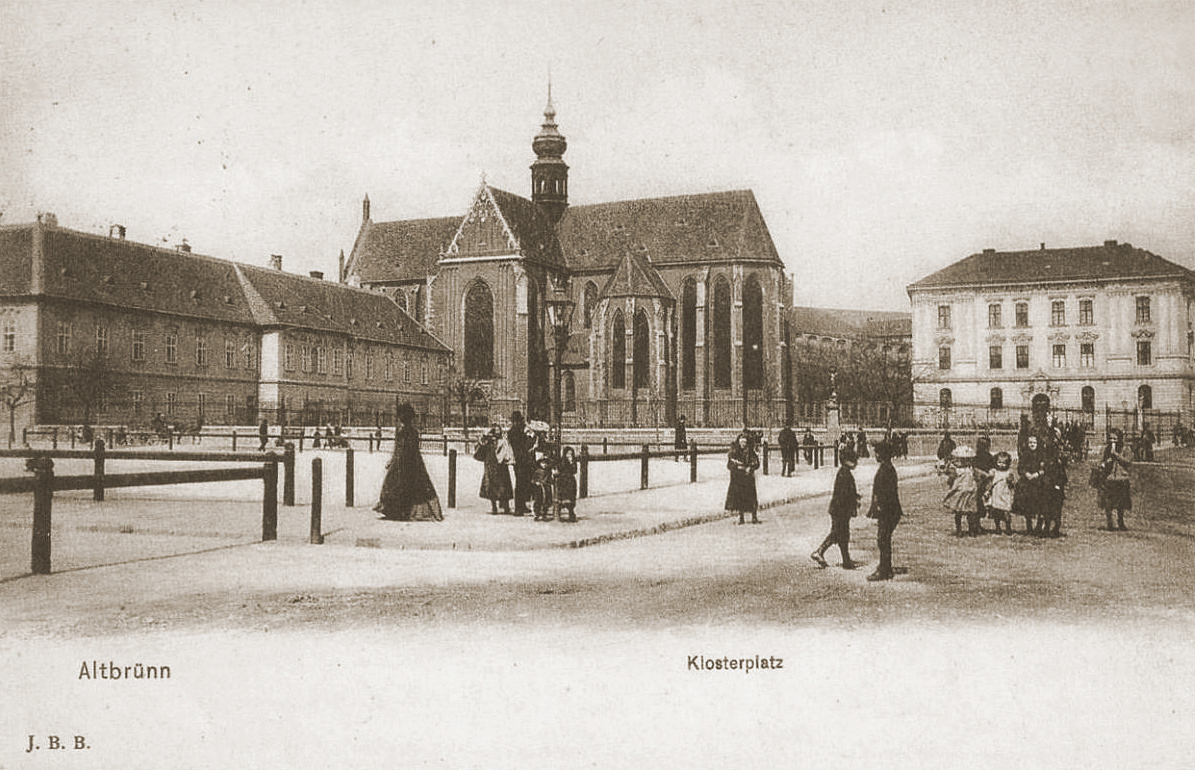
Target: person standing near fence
x=407, y=491
x=523, y=449
x=885, y=509
x=494, y=453
x=788, y=450
x=681, y=438
x=741, y=495
x=1115, y=493
x=263, y=435
x=809, y=442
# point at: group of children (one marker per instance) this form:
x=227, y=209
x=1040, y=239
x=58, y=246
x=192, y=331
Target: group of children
x=981, y=484
x=552, y=479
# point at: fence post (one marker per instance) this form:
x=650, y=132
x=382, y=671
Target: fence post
x=317, y=500
x=302, y=435
x=54, y=440
x=234, y=440
x=583, y=481
x=109, y=434
x=836, y=455
x=350, y=477
x=817, y=457
x=452, y=478
x=446, y=447
x=24, y=437
x=97, y=485
x=288, y=474
x=693, y=462
x=763, y=446
x=43, y=500
x=170, y=439
x=643, y=468
x=269, y=502
x=605, y=445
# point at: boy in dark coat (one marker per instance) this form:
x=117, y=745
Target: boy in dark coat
x=844, y=505
x=885, y=509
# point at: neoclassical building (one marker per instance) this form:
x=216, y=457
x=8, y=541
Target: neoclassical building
x=679, y=301
x=1097, y=328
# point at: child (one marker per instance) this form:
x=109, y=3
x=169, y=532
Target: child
x=1000, y=492
x=1028, y=497
x=844, y=505
x=566, y=483
x=960, y=497
x=541, y=485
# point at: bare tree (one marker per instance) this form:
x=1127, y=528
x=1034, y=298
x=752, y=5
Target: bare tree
x=465, y=392
x=16, y=390
x=89, y=381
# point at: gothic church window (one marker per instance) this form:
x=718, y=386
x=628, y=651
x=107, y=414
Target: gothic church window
x=752, y=334
x=479, y=332
x=642, y=350
x=720, y=333
x=688, y=335
x=618, y=352
x=588, y=303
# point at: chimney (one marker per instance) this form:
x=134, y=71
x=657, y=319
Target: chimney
x=365, y=209
x=989, y=251
x=116, y=231
x=276, y=261
x=184, y=246
x=1109, y=244
x=48, y=218
x=340, y=269
x=1043, y=246
x=317, y=274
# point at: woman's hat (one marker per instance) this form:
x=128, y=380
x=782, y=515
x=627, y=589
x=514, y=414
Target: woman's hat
x=539, y=426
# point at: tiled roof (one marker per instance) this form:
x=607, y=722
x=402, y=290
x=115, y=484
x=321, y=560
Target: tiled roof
x=846, y=324
x=636, y=277
x=94, y=268
x=1109, y=262
x=710, y=227
x=16, y=260
x=533, y=230
x=285, y=299
x=396, y=251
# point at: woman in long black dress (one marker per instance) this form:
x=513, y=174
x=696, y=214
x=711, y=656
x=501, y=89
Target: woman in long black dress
x=407, y=491
x=741, y=496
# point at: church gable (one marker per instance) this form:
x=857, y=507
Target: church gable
x=484, y=231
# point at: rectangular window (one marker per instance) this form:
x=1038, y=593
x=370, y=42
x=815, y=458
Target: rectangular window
x=944, y=358
x=337, y=362
x=230, y=406
x=943, y=316
x=424, y=374
x=230, y=354
x=171, y=402
x=289, y=361
x=201, y=405
x=172, y=347
x=1059, y=356
x=200, y=350
x=138, y=345
x=406, y=371
x=1058, y=313
x=10, y=335
x=995, y=357
x=1022, y=356
x=138, y=402
x=369, y=366
x=101, y=340
x=305, y=352
x=321, y=360
x=63, y=340
x=1086, y=312
x=1022, y=311
x=1087, y=354
x=994, y=316
x=348, y=366
x=1143, y=310
x=1144, y=353
x=389, y=368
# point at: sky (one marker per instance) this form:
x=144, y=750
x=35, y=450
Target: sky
x=883, y=141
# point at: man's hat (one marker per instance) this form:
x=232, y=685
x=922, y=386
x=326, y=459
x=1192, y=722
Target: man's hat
x=847, y=455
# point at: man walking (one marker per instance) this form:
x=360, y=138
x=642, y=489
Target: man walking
x=788, y=450
x=885, y=509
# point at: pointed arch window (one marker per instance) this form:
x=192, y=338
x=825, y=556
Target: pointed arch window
x=589, y=303
x=688, y=335
x=1087, y=399
x=479, y=332
x=641, y=353
x=1145, y=395
x=618, y=352
x=720, y=333
x=568, y=387
x=419, y=303
x=752, y=334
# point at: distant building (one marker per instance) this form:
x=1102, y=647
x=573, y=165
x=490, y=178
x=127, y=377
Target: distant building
x=679, y=301
x=1095, y=328
x=867, y=352
x=116, y=332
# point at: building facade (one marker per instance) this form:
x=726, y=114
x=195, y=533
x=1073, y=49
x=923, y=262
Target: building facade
x=1103, y=329
x=678, y=302
x=113, y=332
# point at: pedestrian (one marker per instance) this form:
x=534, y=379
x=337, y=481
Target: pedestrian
x=861, y=445
x=681, y=438
x=1028, y=495
x=1000, y=492
x=263, y=434
x=1115, y=492
x=566, y=483
x=945, y=446
x=1053, y=494
x=541, y=488
x=809, y=442
x=495, y=456
x=742, y=462
x=885, y=509
x=984, y=463
x=522, y=447
x=960, y=496
x=844, y=506
x=1147, y=443
x=315, y=439
x=407, y=490
x=788, y=450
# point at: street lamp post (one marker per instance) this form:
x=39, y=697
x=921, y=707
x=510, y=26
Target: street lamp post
x=560, y=308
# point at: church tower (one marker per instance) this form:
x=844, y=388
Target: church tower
x=549, y=172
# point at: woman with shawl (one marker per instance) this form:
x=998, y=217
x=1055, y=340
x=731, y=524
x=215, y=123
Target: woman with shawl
x=407, y=491
x=740, y=494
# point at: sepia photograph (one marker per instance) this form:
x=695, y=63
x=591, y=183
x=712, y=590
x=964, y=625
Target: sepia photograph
x=716, y=384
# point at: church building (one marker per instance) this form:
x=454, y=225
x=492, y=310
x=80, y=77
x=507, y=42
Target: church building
x=678, y=303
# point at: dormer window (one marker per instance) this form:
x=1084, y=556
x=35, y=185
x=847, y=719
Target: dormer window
x=713, y=243
x=195, y=294
x=108, y=280
x=144, y=286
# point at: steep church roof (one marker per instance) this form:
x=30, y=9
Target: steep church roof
x=403, y=250
x=526, y=229
x=636, y=277
x=1109, y=262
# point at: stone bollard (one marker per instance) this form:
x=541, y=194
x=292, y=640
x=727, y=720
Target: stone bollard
x=97, y=486
x=583, y=473
x=317, y=501
x=763, y=450
x=350, y=479
x=288, y=474
x=643, y=468
x=692, y=462
x=43, y=500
